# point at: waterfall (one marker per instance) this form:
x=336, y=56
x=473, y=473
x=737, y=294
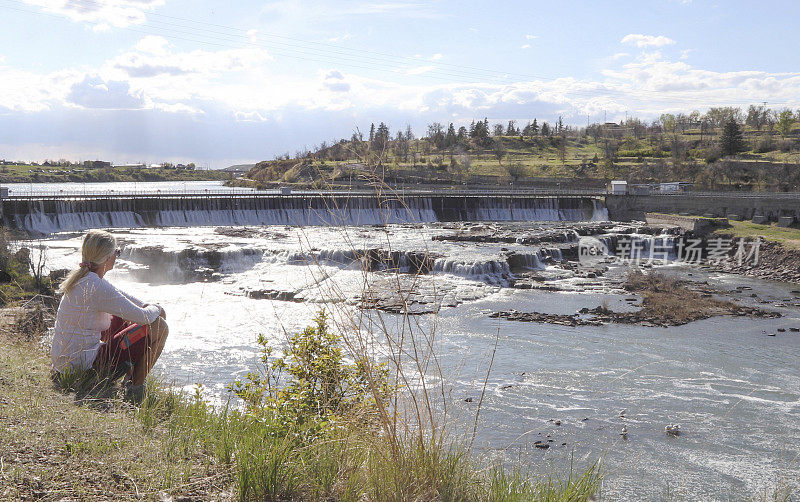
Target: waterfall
x=46, y=217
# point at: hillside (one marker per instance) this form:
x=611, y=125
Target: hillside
x=759, y=158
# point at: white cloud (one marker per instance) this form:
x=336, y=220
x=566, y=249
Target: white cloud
x=334, y=81
x=436, y=57
x=226, y=93
x=249, y=117
x=94, y=92
x=103, y=14
x=151, y=58
x=152, y=44
x=531, y=37
x=685, y=54
x=647, y=40
x=525, y=46
x=620, y=55
x=419, y=70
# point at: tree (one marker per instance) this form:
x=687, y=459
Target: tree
x=511, y=129
x=731, y=141
x=562, y=149
x=785, y=122
x=668, y=122
x=499, y=150
x=534, y=128
x=479, y=131
x=756, y=116
x=436, y=134
x=409, y=133
x=380, y=139
x=515, y=170
x=498, y=130
x=720, y=116
x=450, y=138
x=545, y=129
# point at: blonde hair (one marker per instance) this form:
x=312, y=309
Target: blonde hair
x=98, y=246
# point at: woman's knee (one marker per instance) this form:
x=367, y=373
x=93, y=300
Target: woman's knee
x=160, y=327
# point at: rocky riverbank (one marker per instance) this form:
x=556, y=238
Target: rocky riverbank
x=665, y=301
x=775, y=262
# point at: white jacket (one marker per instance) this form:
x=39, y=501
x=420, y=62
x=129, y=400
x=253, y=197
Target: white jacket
x=84, y=312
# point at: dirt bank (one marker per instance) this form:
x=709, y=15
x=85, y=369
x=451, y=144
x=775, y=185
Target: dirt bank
x=666, y=301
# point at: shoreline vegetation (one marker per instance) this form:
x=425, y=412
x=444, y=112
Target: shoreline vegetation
x=26, y=173
x=312, y=427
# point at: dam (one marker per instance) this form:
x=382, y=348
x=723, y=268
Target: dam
x=60, y=213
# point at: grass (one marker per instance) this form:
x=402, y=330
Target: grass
x=54, y=446
x=786, y=236
x=97, y=446
x=23, y=173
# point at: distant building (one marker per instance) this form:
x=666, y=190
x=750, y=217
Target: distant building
x=131, y=166
x=238, y=169
x=96, y=164
x=619, y=187
x=675, y=186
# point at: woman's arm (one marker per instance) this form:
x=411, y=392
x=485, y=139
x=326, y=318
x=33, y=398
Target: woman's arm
x=114, y=302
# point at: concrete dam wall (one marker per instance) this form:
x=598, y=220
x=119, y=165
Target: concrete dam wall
x=771, y=207
x=45, y=216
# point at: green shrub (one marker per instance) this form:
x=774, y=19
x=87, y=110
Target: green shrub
x=311, y=384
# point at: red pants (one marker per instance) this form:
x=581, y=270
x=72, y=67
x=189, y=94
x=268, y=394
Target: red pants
x=125, y=344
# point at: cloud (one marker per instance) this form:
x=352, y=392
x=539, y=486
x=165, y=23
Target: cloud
x=531, y=37
x=249, y=117
x=151, y=57
x=219, y=104
x=435, y=57
x=334, y=82
x=94, y=92
x=152, y=44
x=620, y=55
x=525, y=46
x=647, y=40
x=419, y=70
x=103, y=14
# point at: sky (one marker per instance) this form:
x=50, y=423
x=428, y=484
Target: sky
x=221, y=83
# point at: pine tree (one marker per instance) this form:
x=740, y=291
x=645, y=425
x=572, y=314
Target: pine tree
x=450, y=137
x=731, y=141
x=535, y=128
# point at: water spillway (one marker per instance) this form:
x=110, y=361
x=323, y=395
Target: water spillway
x=59, y=214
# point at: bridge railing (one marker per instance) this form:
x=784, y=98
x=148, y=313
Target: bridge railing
x=64, y=194
x=393, y=192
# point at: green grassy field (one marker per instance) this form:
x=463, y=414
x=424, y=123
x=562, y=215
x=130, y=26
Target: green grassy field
x=24, y=173
x=788, y=237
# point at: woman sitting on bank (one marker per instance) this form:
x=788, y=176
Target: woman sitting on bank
x=100, y=327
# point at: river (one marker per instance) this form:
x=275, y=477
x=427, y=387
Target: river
x=734, y=390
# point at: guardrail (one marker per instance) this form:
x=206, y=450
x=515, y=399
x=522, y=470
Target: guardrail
x=389, y=192
x=302, y=193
